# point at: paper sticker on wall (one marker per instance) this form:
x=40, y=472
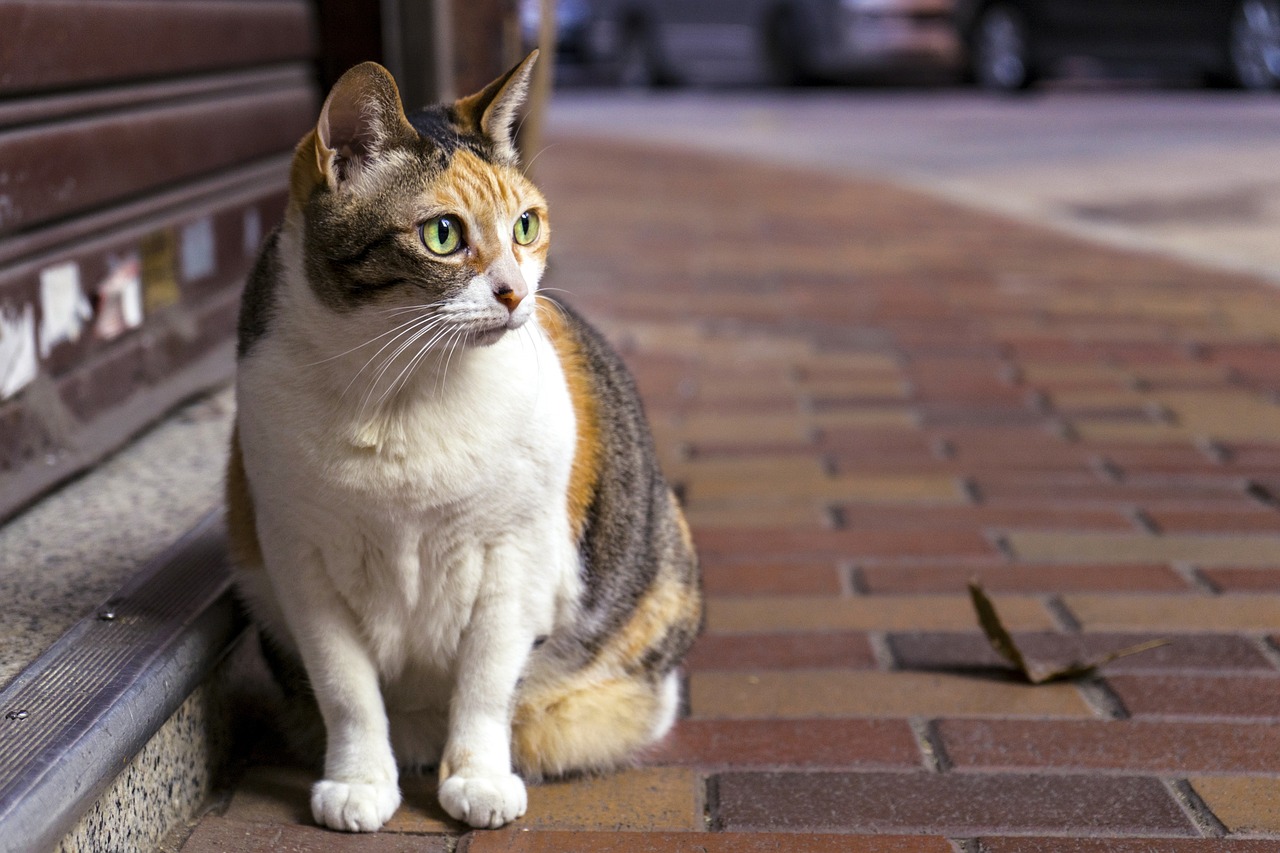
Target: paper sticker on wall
x=199, y=256
x=64, y=309
x=17, y=349
x=120, y=297
x=159, y=271
x=252, y=234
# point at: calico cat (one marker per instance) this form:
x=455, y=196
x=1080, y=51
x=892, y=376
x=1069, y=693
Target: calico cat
x=442, y=494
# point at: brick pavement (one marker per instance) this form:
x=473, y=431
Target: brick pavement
x=867, y=396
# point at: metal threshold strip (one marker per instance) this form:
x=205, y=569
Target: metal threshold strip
x=73, y=719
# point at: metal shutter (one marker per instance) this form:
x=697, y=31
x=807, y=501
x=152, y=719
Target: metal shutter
x=144, y=147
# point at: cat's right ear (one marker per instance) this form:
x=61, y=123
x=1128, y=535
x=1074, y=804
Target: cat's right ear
x=360, y=120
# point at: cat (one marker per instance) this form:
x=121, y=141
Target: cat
x=442, y=495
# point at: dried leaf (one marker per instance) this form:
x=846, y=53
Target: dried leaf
x=1034, y=673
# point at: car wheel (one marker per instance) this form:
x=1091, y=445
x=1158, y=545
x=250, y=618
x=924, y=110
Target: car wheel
x=1254, y=44
x=1002, y=49
x=785, y=49
x=636, y=65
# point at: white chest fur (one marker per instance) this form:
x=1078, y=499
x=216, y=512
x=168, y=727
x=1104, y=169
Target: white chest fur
x=399, y=512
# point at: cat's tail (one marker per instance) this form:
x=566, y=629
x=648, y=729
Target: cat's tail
x=591, y=722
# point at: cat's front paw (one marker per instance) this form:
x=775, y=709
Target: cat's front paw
x=353, y=806
x=485, y=802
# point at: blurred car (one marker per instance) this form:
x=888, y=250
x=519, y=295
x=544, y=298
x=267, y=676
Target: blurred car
x=1010, y=44
x=655, y=42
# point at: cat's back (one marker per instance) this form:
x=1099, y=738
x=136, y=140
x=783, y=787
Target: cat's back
x=638, y=560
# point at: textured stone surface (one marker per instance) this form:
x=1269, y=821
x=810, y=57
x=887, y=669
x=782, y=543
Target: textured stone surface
x=801, y=694
x=957, y=651
x=950, y=804
x=883, y=613
x=1245, y=804
x=522, y=841
x=69, y=552
x=1157, y=747
x=812, y=743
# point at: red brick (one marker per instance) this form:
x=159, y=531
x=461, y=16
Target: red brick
x=961, y=518
x=1006, y=578
x=949, y=804
x=1060, y=490
x=219, y=835
x=1210, y=653
x=1259, y=520
x=826, y=650
x=1183, y=458
x=517, y=840
x=1169, y=748
x=1244, y=580
x=849, y=544
x=1126, y=845
x=776, y=578
x=801, y=744
x=1199, y=696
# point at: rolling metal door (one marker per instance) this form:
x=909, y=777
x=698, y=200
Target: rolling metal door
x=144, y=149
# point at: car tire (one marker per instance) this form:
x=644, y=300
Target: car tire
x=785, y=49
x=636, y=65
x=1001, y=49
x=1253, y=44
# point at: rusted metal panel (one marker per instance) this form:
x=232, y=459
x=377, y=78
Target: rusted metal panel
x=51, y=171
x=109, y=380
x=58, y=44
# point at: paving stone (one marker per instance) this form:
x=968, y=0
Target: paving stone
x=769, y=543
x=1212, y=653
x=867, y=613
x=800, y=744
x=826, y=650
x=952, y=804
x=771, y=578
x=1061, y=547
x=1022, y=578
x=1244, y=804
x=835, y=693
x=1126, y=845
x=1169, y=748
x=1174, y=613
x=515, y=840
x=796, y=513
x=1244, y=580
x=876, y=517
x=1199, y=695
x=912, y=488
x=1260, y=520
x=654, y=798
x=219, y=835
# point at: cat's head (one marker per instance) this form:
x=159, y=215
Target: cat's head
x=428, y=210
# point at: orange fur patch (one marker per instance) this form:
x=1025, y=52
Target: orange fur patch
x=242, y=529
x=590, y=722
x=587, y=454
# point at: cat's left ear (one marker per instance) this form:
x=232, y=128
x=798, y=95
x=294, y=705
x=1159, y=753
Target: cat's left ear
x=492, y=111
x=361, y=119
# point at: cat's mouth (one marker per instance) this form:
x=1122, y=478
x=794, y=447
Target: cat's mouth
x=486, y=336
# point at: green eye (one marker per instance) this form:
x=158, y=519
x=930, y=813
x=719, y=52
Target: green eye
x=527, y=227
x=442, y=235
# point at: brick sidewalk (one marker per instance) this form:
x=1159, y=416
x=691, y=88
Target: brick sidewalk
x=867, y=397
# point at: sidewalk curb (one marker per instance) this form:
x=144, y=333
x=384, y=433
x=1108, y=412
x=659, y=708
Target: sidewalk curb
x=74, y=718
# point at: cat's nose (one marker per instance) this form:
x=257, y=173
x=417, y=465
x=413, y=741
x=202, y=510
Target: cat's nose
x=510, y=296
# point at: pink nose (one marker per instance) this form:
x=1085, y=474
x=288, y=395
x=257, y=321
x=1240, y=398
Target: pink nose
x=509, y=297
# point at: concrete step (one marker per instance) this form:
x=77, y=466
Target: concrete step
x=117, y=731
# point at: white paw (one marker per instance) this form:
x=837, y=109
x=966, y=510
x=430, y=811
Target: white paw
x=485, y=802
x=353, y=806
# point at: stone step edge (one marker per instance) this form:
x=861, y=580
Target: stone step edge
x=74, y=718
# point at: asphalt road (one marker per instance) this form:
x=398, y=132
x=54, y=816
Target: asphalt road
x=1189, y=172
